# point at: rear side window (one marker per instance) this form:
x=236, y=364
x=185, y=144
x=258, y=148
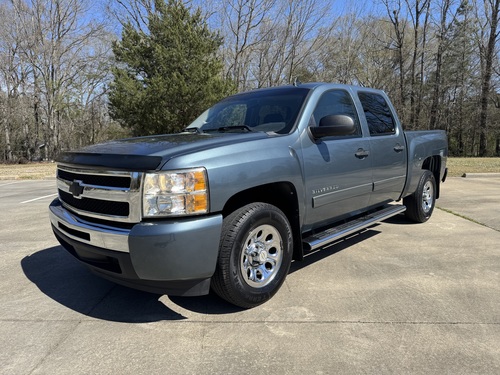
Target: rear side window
x=378, y=114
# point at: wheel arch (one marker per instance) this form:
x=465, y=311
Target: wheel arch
x=283, y=195
x=433, y=164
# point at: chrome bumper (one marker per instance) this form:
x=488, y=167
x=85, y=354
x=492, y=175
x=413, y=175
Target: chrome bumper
x=97, y=235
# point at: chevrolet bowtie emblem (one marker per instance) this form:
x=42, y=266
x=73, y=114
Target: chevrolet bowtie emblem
x=76, y=188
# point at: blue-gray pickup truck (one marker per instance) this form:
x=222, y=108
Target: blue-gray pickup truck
x=258, y=180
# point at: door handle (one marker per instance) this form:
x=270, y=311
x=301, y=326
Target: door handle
x=399, y=148
x=362, y=153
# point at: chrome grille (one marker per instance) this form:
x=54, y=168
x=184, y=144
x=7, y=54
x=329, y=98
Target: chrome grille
x=106, y=195
x=95, y=179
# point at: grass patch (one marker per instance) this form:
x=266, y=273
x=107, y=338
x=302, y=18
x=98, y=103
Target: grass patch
x=465, y=217
x=461, y=216
x=30, y=171
x=458, y=166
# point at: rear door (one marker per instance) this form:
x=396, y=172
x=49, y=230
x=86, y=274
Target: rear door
x=388, y=147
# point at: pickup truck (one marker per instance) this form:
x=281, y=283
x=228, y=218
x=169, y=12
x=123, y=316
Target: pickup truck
x=258, y=180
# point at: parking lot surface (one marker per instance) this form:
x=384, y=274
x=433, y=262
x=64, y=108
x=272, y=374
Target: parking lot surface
x=397, y=298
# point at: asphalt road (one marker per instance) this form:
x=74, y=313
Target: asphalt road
x=398, y=298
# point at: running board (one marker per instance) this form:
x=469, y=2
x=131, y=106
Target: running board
x=321, y=239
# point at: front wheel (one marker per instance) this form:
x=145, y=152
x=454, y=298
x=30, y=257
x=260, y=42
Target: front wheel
x=420, y=204
x=254, y=256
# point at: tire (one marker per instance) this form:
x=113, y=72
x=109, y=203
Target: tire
x=254, y=256
x=420, y=205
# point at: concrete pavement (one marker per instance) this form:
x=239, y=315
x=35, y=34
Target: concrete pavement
x=476, y=197
x=397, y=298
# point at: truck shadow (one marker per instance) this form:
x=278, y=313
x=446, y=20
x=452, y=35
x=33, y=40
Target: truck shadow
x=69, y=283
x=399, y=220
x=66, y=281
x=333, y=248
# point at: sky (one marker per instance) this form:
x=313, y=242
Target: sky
x=99, y=9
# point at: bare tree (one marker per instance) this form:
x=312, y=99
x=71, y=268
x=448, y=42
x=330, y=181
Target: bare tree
x=243, y=33
x=58, y=46
x=13, y=78
x=417, y=9
x=8, y=72
x=442, y=44
x=268, y=42
x=376, y=64
x=135, y=12
x=290, y=45
x=399, y=23
x=487, y=43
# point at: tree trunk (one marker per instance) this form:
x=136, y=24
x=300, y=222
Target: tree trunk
x=414, y=110
x=439, y=62
x=399, y=31
x=486, y=77
x=422, y=66
x=8, y=148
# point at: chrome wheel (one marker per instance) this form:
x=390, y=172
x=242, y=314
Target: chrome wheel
x=427, y=196
x=255, y=253
x=262, y=256
x=420, y=204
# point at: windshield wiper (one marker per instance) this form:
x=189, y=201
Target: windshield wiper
x=193, y=130
x=230, y=128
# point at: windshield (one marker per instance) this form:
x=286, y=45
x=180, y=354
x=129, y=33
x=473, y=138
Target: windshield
x=273, y=110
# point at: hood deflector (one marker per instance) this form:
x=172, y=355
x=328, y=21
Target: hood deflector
x=137, y=163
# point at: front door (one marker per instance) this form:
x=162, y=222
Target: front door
x=338, y=176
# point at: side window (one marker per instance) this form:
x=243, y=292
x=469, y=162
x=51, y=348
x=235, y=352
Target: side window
x=378, y=114
x=336, y=102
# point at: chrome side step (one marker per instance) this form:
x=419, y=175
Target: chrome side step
x=321, y=239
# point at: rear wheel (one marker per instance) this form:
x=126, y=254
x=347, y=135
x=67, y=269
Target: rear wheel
x=254, y=256
x=420, y=205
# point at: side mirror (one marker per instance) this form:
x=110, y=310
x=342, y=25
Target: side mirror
x=333, y=126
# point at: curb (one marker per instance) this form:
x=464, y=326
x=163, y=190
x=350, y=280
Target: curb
x=480, y=175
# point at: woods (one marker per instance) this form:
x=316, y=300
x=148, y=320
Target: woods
x=75, y=72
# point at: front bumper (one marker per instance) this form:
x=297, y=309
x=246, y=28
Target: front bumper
x=175, y=257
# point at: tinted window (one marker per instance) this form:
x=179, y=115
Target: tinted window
x=336, y=102
x=378, y=114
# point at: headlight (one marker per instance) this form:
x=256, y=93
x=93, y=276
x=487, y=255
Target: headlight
x=174, y=193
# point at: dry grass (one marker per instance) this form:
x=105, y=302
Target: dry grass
x=456, y=168
x=30, y=171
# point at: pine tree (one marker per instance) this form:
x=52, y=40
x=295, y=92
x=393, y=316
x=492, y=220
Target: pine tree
x=166, y=78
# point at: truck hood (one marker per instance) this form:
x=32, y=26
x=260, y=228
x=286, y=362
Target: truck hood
x=150, y=153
